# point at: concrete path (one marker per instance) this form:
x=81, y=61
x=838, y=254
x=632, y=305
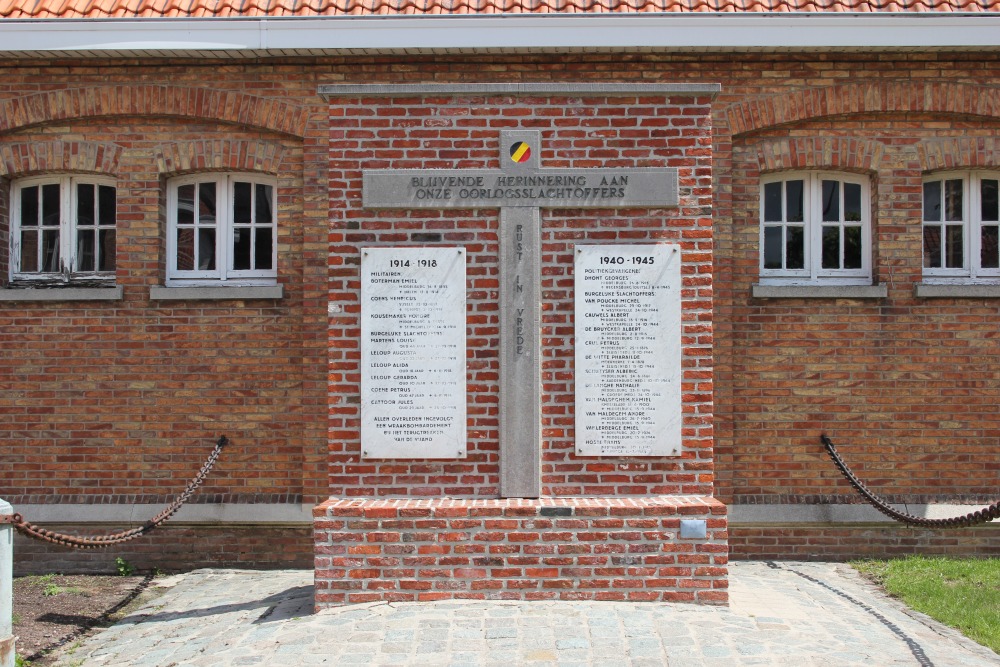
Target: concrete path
x=797, y=614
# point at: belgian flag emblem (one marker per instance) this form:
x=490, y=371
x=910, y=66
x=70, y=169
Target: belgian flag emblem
x=520, y=151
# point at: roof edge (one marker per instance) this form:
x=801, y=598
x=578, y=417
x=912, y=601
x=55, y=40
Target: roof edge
x=469, y=34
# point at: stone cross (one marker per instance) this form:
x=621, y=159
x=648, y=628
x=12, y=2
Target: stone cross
x=520, y=189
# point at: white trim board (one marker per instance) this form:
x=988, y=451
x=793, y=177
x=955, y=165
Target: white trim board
x=254, y=37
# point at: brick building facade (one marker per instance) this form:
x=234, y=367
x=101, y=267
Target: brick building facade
x=876, y=328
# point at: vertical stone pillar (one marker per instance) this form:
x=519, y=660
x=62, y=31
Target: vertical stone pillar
x=6, y=588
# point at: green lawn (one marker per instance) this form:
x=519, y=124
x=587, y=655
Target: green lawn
x=963, y=593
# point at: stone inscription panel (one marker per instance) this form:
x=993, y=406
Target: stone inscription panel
x=543, y=188
x=628, y=350
x=413, y=393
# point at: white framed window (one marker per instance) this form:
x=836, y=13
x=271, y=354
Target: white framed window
x=222, y=228
x=815, y=228
x=63, y=227
x=961, y=226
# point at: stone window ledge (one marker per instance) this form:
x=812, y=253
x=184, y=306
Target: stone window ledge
x=759, y=291
x=943, y=291
x=115, y=293
x=159, y=293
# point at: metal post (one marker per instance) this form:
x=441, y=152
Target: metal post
x=6, y=588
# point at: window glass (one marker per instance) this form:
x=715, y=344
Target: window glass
x=853, y=247
x=852, y=202
x=773, y=247
x=794, y=211
x=990, y=210
x=932, y=200
x=831, y=201
x=955, y=246
x=795, y=248
x=932, y=247
x=772, y=202
x=989, y=254
x=831, y=247
x=953, y=191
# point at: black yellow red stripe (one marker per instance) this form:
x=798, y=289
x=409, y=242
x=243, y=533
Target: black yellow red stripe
x=520, y=151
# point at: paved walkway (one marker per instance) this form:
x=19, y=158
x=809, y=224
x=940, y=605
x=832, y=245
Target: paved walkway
x=796, y=614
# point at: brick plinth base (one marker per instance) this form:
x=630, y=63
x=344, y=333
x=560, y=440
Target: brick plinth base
x=546, y=549
x=171, y=548
x=846, y=542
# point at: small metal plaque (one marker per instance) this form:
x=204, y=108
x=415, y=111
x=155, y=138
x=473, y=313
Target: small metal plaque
x=413, y=381
x=628, y=350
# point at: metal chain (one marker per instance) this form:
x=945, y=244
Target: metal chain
x=971, y=519
x=76, y=542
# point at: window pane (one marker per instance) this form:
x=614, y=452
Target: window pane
x=50, y=251
x=831, y=201
x=772, y=247
x=953, y=199
x=185, y=205
x=106, y=250
x=932, y=247
x=852, y=246
x=106, y=205
x=50, y=205
x=831, y=245
x=795, y=249
x=206, y=250
x=263, y=249
x=206, y=205
x=265, y=205
x=185, y=249
x=85, y=250
x=990, y=207
x=989, y=257
x=793, y=195
x=241, y=203
x=241, y=249
x=932, y=201
x=29, y=206
x=954, y=246
x=852, y=202
x=29, y=251
x=772, y=202
x=84, y=204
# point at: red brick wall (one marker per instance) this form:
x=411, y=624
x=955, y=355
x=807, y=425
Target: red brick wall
x=437, y=132
x=122, y=401
x=908, y=388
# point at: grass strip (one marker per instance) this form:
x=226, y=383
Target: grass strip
x=963, y=593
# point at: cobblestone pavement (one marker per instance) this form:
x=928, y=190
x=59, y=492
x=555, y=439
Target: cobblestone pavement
x=785, y=613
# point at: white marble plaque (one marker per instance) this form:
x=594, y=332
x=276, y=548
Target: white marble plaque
x=413, y=393
x=628, y=350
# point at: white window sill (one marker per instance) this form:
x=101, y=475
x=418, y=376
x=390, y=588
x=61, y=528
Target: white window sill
x=956, y=291
x=114, y=293
x=760, y=291
x=158, y=293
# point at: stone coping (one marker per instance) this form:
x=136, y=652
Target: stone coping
x=457, y=89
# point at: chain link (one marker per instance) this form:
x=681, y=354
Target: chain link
x=76, y=542
x=984, y=515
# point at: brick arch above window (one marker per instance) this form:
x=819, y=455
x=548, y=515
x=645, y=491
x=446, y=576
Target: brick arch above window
x=153, y=100
x=838, y=153
x=219, y=155
x=959, y=153
x=890, y=96
x=21, y=158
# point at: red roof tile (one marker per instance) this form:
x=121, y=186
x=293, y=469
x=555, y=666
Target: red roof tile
x=24, y=9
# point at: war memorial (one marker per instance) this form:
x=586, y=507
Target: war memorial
x=499, y=301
